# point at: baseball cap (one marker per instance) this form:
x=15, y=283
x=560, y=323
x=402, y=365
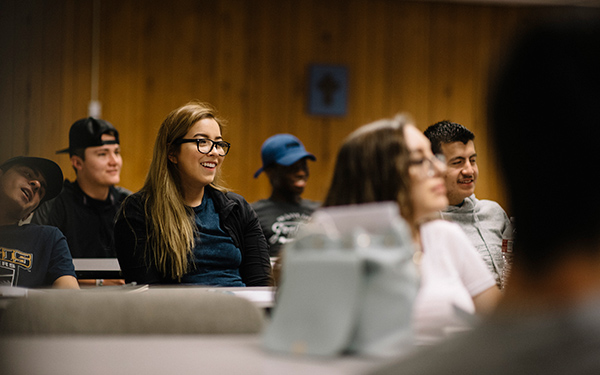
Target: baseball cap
x=87, y=132
x=282, y=149
x=49, y=169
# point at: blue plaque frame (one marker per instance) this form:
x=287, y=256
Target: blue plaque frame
x=328, y=90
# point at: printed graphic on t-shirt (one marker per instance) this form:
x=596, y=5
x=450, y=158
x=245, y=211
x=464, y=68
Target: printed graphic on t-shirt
x=285, y=227
x=10, y=260
x=7, y=274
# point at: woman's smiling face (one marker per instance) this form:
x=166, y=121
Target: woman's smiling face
x=195, y=168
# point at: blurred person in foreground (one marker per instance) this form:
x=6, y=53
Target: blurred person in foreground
x=391, y=160
x=544, y=117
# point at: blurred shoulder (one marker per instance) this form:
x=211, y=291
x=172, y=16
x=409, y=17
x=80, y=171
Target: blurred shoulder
x=261, y=203
x=121, y=193
x=311, y=204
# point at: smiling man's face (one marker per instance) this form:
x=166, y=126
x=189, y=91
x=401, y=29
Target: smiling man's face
x=102, y=164
x=289, y=179
x=462, y=172
x=22, y=188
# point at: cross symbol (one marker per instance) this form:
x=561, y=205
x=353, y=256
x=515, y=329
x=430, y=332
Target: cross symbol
x=328, y=86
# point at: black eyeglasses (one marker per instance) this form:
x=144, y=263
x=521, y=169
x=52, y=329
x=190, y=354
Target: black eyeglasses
x=206, y=145
x=429, y=166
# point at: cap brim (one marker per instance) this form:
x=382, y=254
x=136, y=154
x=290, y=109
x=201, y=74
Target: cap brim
x=111, y=142
x=54, y=179
x=288, y=160
x=258, y=172
x=291, y=158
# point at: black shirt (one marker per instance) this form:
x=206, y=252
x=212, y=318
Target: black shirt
x=86, y=222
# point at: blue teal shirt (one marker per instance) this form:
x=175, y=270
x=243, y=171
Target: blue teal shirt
x=216, y=259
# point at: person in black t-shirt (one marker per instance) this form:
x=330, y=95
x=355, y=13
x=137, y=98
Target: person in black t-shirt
x=31, y=255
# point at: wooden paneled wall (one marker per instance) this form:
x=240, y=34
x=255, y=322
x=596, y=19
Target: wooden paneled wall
x=249, y=58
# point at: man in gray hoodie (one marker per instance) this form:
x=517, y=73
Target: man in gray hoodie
x=484, y=221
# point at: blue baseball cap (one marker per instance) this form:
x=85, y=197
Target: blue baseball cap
x=282, y=149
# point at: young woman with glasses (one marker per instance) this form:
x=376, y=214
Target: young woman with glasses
x=391, y=160
x=182, y=226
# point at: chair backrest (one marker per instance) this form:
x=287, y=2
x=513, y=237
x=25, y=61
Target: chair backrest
x=153, y=311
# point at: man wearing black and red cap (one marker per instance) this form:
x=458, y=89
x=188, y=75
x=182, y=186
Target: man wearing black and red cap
x=86, y=208
x=31, y=255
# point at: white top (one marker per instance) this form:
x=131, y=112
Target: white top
x=452, y=272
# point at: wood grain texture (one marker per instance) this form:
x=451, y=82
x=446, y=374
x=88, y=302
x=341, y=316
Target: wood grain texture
x=250, y=59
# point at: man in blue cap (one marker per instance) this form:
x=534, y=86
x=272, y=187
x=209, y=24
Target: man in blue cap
x=285, y=164
x=31, y=255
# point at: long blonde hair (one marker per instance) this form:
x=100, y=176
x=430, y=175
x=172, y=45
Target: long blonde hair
x=171, y=222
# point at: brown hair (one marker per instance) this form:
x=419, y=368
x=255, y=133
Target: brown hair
x=171, y=223
x=372, y=166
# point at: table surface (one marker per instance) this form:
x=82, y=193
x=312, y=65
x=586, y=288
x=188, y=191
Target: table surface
x=107, y=264
x=96, y=264
x=260, y=296
x=97, y=268
x=188, y=354
x=165, y=354
x=104, y=268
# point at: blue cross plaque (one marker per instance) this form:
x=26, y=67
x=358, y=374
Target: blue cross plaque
x=328, y=93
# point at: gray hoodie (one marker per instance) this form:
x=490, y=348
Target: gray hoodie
x=483, y=221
